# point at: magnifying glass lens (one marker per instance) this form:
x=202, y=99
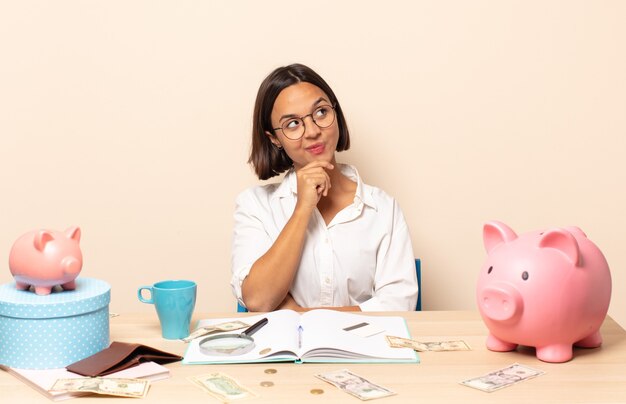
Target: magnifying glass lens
x=226, y=346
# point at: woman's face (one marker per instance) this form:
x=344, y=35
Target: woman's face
x=293, y=103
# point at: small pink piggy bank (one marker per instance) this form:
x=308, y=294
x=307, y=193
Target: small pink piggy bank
x=545, y=289
x=45, y=258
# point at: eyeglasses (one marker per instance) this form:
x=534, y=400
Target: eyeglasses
x=293, y=128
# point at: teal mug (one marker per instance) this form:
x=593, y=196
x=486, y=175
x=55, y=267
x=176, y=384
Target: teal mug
x=174, y=302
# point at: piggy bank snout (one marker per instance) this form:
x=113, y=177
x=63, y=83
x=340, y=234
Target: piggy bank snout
x=501, y=302
x=71, y=265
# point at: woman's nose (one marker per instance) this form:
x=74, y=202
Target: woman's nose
x=310, y=127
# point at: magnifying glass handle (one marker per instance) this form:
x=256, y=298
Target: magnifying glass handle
x=255, y=327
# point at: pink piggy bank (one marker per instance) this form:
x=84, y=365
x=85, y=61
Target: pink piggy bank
x=46, y=258
x=545, y=289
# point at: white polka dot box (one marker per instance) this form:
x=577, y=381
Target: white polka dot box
x=55, y=330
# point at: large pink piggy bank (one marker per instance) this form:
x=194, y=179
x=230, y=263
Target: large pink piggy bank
x=46, y=258
x=545, y=289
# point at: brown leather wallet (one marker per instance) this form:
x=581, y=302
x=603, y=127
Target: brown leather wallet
x=119, y=356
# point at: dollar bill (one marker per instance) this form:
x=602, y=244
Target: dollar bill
x=222, y=386
x=355, y=385
x=209, y=329
x=434, y=346
x=502, y=378
x=105, y=386
x=399, y=342
x=441, y=346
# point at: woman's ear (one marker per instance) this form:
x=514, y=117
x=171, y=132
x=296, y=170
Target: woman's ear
x=274, y=139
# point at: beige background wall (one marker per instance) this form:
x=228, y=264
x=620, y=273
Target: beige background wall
x=131, y=119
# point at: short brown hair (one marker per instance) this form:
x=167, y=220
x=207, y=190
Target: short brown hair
x=267, y=159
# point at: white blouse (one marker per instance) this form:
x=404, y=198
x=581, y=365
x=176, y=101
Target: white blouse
x=362, y=257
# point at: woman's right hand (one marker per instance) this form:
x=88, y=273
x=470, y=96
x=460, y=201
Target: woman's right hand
x=313, y=183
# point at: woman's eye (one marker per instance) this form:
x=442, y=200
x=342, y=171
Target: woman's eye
x=293, y=124
x=321, y=112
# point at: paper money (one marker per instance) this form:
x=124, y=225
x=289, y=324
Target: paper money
x=222, y=386
x=228, y=326
x=441, y=346
x=499, y=379
x=355, y=385
x=399, y=342
x=434, y=346
x=104, y=385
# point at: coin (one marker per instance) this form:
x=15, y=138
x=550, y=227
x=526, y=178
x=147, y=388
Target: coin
x=317, y=391
x=264, y=351
x=267, y=384
x=270, y=371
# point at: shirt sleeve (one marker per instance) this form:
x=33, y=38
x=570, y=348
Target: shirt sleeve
x=250, y=238
x=395, y=281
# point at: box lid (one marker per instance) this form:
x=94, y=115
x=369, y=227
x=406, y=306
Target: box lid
x=90, y=295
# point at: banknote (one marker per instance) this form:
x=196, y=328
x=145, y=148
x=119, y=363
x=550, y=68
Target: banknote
x=105, y=385
x=355, y=385
x=435, y=346
x=505, y=377
x=228, y=326
x=440, y=346
x=399, y=342
x=222, y=386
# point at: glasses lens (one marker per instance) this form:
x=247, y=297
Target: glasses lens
x=293, y=129
x=324, y=116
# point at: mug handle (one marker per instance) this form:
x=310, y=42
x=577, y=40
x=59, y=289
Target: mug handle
x=141, y=298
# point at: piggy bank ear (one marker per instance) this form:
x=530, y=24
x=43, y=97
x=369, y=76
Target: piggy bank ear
x=73, y=233
x=42, y=237
x=496, y=233
x=576, y=231
x=564, y=242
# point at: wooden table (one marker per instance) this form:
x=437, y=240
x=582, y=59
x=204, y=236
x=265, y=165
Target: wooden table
x=594, y=375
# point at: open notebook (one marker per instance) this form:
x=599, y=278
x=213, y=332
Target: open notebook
x=315, y=336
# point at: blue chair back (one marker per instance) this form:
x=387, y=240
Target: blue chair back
x=418, y=272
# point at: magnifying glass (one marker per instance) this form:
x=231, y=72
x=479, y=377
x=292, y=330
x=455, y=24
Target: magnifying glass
x=231, y=344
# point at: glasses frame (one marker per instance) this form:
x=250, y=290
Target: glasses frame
x=313, y=119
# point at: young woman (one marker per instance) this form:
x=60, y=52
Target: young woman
x=321, y=237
